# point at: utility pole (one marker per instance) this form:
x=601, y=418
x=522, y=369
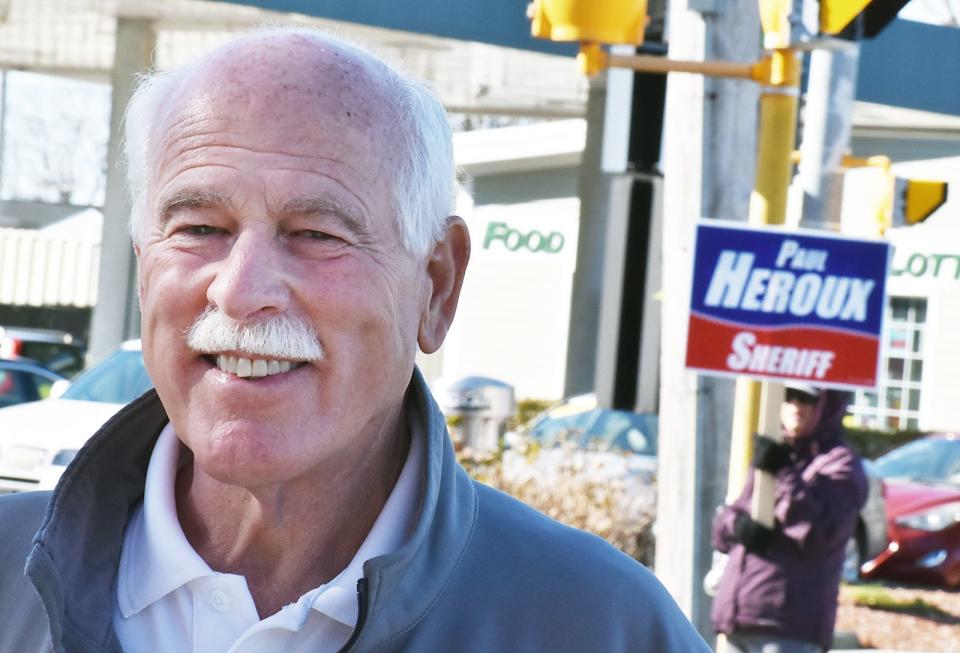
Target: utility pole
x=827, y=125
x=709, y=147
x=3, y=118
x=116, y=317
x=594, y=191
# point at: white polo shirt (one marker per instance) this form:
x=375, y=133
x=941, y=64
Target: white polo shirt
x=169, y=599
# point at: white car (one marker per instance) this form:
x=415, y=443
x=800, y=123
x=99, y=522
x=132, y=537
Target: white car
x=39, y=439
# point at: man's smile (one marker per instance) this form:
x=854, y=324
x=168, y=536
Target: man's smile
x=252, y=367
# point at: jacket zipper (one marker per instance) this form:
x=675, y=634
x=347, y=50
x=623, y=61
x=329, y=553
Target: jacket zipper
x=361, y=614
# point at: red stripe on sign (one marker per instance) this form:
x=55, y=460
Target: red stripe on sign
x=827, y=356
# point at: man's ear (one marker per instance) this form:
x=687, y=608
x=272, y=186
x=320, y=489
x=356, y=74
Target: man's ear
x=136, y=251
x=445, y=269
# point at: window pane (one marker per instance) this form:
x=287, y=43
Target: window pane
x=917, y=340
x=870, y=399
x=914, y=400
x=895, y=369
x=894, y=397
x=916, y=370
x=920, y=311
x=893, y=422
x=899, y=308
x=897, y=339
x=16, y=387
x=913, y=424
x=43, y=385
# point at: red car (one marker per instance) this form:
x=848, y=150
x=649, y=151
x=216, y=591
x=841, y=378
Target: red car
x=922, y=481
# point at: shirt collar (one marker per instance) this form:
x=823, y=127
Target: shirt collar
x=156, y=558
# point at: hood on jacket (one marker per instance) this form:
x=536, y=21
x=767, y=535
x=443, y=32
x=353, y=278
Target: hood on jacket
x=827, y=423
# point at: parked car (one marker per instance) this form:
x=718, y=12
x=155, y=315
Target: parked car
x=922, y=481
x=870, y=537
x=611, y=434
x=38, y=440
x=57, y=351
x=22, y=382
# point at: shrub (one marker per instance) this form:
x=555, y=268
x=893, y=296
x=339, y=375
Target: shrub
x=871, y=443
x=584, y=489
x=527, y=409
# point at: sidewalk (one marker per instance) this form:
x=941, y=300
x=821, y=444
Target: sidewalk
x=846, y=642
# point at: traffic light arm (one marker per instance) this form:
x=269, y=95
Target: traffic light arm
x=779, y=68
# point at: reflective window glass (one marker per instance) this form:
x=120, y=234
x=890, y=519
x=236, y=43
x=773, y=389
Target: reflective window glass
x=916, y=370
x=914, y=400
x=895, y=369
x=899, y=308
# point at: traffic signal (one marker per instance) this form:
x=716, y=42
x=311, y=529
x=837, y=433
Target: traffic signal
x=588, y=21
x=839, y=17
x=915, y=199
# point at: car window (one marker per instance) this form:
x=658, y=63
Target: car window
x=928, y=459
x=623, y=431
x=951, y=463
x=20, y=386
x=599, y=428
x=119, y=379
x=549, y=430
x=65, y=360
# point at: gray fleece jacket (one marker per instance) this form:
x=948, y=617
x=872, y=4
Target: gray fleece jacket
x=481, y=572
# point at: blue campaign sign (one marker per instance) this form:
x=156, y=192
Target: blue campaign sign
x=787, y=304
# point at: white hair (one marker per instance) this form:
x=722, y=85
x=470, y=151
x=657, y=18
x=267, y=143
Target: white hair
x=424, y=180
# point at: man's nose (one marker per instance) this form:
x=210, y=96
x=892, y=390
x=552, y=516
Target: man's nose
x=250, y=282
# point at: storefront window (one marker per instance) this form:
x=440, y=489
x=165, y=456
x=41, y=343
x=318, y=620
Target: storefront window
x=899, y=308
x=914, y=404
x=897, y=338
x=896, y=402
x=895, y=368
x=916, y=370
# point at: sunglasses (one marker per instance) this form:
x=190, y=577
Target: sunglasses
x=800, y=397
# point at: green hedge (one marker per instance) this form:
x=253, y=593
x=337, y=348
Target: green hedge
x=871, y=443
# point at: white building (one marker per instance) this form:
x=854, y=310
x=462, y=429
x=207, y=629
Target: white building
x=520, y=204
x=920, y=371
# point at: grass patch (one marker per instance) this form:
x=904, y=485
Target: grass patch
x=877, y=597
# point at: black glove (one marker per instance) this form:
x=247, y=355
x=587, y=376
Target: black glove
x=754, y=536
x=768, y=455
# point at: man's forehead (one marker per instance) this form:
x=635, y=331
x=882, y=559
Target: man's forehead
x=279, y=76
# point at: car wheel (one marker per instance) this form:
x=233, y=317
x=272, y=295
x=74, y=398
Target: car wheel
x=853, y=557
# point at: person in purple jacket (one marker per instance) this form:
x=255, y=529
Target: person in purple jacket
x=778, y=593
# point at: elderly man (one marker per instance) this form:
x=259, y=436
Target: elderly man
x=290, y=485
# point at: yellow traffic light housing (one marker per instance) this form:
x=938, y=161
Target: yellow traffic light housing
x=588, y=21
x=916, y=199
x=836, y=16
x=903, y=202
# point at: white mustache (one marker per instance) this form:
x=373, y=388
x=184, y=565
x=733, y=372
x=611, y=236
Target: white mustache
x=283, y=336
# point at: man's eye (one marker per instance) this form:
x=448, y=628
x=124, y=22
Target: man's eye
x=313, y=234
x=200, y=230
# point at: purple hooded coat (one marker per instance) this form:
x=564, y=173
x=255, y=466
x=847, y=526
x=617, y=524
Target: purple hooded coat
x=791, y=590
